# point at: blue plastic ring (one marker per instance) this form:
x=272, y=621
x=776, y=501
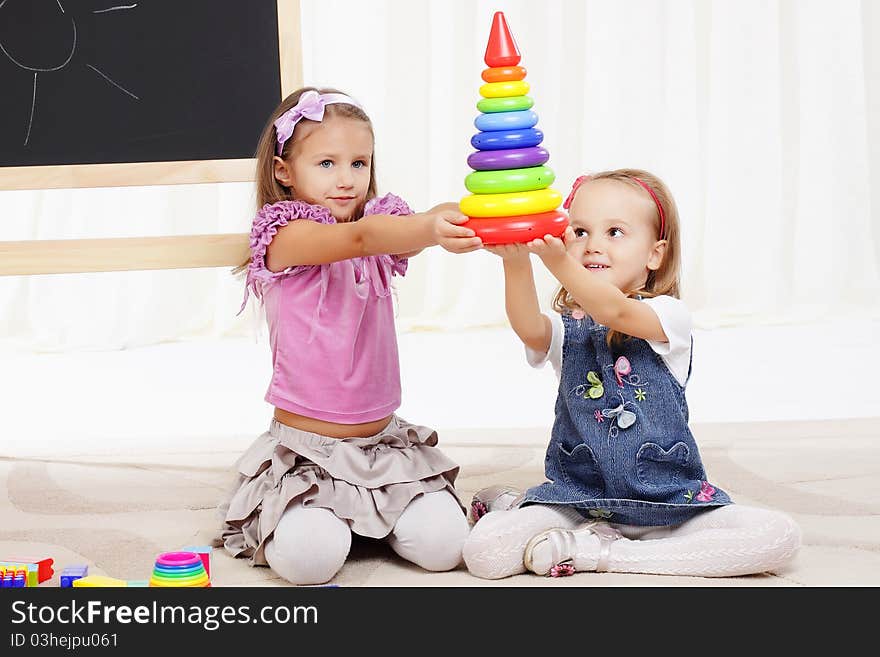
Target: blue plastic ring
x=506, y=139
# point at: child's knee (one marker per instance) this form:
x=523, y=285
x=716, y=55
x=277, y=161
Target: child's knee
x=486, y=537
x=309, y=546
x=431, y=532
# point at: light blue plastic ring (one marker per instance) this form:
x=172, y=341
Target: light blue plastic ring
x=506, y=121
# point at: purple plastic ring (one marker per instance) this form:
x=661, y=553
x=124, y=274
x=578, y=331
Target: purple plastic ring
x=513, y=158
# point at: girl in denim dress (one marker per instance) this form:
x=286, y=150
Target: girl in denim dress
x=626, y=490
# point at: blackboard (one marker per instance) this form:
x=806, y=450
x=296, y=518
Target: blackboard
x=113, y=81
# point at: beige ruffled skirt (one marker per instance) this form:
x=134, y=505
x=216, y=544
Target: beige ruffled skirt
x=366, y=481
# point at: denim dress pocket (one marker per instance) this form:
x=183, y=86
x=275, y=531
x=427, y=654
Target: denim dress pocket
x=580, y=470
x=660, y=468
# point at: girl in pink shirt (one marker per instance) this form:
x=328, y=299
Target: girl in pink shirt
x=336, y=459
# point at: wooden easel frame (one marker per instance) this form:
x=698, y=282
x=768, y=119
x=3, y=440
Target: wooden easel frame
x=124, y=254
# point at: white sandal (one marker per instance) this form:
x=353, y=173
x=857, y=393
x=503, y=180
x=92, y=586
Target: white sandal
x=563, y=546
x=494, y=498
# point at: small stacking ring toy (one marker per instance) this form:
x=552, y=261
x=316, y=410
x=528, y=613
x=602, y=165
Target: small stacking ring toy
x=179, y=569
x=515, y=204
x=504, y=89
x=508, y=230
x=506, y=121
x=515, y=158
x=504, y=181
x=504, y=74
x=507, y=139
x=512, y=104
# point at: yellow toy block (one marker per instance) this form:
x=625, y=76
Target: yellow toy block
x=98, y=581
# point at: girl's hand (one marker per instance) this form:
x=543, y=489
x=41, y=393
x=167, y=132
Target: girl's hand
x=509, y=252
x=551, y=249
x=450, y=234
x=451, y=206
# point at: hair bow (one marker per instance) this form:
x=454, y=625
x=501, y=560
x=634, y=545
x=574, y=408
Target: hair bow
x=310, y=106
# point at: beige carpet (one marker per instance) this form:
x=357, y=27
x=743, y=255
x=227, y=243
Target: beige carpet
x=117, y=512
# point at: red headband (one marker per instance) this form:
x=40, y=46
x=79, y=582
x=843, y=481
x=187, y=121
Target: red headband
x=582, y=179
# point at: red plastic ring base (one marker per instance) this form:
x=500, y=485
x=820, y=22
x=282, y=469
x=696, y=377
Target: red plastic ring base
x=513, y=230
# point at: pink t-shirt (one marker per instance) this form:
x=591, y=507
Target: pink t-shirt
x=331, y=327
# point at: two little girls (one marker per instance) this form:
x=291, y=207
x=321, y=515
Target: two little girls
x=625, y=489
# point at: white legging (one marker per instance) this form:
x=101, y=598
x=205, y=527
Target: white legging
x=310, y=545
x=727, y=541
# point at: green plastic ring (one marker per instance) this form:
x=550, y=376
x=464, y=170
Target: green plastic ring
x=508, y=104
x=503, y=181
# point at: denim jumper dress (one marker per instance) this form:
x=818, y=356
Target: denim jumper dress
x=620, y=448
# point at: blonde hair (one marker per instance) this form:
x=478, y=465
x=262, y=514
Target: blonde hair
x=269, y=190
x=665, y=280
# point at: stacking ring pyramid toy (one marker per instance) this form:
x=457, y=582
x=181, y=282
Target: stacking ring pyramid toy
x=179, y=569
x=511, y=200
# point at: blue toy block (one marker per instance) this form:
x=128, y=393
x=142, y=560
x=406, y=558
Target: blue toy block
x=71, y=573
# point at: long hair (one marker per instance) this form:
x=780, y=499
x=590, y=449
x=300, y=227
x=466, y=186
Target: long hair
x=269, y=190
x=666, y=279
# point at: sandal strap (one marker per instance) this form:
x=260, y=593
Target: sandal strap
x=607, y=535
x=492, y=493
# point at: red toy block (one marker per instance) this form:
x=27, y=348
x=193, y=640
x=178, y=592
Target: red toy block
x=44, y=566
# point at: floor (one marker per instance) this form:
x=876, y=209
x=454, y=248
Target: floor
x=136, y=450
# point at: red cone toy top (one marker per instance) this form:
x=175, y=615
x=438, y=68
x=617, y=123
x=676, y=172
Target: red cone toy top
x=501, y=49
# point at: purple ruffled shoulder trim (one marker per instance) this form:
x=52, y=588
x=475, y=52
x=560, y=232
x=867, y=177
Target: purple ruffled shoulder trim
x=268, y=220
x=393, y=205
x=388, y=204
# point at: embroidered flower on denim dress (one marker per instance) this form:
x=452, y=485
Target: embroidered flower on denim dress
x=622, y=369
x=592, y=389
x=705, y=494
x=620, y=417
x=640, y=394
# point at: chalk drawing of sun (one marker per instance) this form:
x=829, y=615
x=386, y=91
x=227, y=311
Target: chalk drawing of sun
x=46, y=58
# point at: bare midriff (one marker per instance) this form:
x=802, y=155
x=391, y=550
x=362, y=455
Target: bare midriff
x=330, y=429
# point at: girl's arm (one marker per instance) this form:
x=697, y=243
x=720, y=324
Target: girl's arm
x=601, y=300
x=304, y=242
x=453, y=207
x=521, y=298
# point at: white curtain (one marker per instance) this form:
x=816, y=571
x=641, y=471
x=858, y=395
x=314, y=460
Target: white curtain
x=763, y=116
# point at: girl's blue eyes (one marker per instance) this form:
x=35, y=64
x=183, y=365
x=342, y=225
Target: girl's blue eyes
x=357, y=164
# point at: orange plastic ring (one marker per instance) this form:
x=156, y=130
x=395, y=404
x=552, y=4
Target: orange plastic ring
x=504, y=74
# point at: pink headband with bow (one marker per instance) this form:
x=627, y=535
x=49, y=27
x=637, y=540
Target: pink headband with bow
x=582, y=179
x=309, y=106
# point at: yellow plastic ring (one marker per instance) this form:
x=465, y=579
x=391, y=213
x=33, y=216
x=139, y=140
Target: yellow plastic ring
x=504, y=89
x=510, y=205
